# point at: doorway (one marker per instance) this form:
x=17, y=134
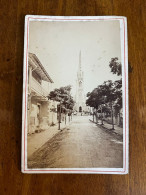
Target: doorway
x=80, y=109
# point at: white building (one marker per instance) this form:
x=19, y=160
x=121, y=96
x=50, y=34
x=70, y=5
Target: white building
x=40, y=114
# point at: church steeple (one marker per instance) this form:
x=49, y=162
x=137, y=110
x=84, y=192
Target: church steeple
x=80, y=105
x=80, y=61
x=80, y=72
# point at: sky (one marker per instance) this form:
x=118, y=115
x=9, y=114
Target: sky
x=57, y=44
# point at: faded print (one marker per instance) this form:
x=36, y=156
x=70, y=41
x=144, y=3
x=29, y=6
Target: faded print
x=75, y=109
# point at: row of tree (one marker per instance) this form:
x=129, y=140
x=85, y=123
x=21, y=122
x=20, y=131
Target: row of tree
x=107, y=97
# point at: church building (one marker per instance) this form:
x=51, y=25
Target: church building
x=80, y=97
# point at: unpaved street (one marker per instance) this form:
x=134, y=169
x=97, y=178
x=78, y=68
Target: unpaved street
x=81, y=145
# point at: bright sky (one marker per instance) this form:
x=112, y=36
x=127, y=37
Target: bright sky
x=58, y=44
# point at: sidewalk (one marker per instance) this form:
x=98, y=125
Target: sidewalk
x=118, y=130
x=35, y=141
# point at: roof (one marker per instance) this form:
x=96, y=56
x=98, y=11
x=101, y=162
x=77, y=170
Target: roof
x=38, y=67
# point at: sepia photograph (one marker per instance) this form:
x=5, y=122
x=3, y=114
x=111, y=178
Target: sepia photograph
x=75, y=95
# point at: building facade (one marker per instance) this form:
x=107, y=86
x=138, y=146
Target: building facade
x=40, y=112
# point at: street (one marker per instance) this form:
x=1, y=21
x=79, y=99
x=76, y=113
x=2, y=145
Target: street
x=81, y=145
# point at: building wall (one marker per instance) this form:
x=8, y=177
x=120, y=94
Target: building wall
x=39, y=115
x=44, y=115
x=34, y=118
x=53, y=112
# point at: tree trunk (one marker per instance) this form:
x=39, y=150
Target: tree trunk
x=96, y=117
x=65, y=118
x=101, y=116
x=59, y=117
x=119, y=119
x=112, y=117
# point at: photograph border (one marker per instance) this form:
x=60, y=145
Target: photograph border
x=124, y=58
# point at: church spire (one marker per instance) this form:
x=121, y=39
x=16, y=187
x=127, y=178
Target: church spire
x=80, y=61
x=80, y=104
x=80, y=72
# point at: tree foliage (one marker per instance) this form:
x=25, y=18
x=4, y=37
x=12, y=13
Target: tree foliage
x=63, y=96
x=93, y=98
x=116, y=67
x=107, y=94
x=118, y=92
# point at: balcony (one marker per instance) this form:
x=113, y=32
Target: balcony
x=37, y=89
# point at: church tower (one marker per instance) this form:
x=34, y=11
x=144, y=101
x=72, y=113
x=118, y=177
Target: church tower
x=80, y=99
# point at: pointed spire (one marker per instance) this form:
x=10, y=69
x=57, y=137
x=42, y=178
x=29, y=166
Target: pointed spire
x=80, y=61
x=80, y=72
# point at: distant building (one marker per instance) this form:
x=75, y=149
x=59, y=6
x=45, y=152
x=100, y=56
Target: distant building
x=80, y=98
x=40, y=114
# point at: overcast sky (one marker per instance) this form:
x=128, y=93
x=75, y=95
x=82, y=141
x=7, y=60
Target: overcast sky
x=58, y=44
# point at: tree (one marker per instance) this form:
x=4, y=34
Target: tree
x=108, y=93
x=116, y=67
x=103, y=97
x=63, y=96
x=107, y=98
x=118, y=102
x=108, y=90
x=94, y=100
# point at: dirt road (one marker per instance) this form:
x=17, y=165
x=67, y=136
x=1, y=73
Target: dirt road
x=81, y=145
